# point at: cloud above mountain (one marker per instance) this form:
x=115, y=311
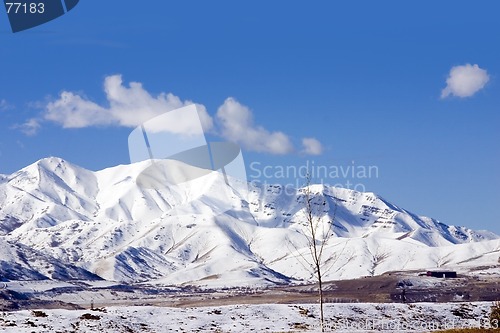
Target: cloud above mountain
x=131, y=105
x=237, y=124
x=465, y=81
x=311, y=146
x=30, y=127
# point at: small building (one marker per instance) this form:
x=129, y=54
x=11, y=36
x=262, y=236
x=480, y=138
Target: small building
x=442, y=274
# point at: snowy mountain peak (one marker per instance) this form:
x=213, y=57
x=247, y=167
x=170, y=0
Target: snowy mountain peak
x=103, y=222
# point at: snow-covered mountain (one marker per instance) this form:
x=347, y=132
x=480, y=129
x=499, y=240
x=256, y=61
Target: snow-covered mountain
x=20, y=262
x=104, y=223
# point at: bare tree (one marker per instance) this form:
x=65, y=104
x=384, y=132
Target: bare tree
x=317, y=233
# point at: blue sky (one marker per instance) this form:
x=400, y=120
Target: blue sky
x=364, y=79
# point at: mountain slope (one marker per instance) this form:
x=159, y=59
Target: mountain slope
x=104, y=223
x=20, y=262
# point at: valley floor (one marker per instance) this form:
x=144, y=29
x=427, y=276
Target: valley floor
x=370, y=304
x=341, y=317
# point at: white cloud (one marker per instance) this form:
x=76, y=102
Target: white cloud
x=30, y=127
x=311, y=146
x=73, y=111
x=4, y=105
x=465, y=81
x=128, y=106
x=236, y=122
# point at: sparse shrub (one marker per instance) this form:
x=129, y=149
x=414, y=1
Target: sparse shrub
x=90, y=316
x=464, y=311
x=103, y=309
x=299, y=326
x=305, y=312
x=30, y=323
x=215, y=312
x=38, y=313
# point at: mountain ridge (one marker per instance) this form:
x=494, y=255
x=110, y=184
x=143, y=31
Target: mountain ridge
x=105, y=224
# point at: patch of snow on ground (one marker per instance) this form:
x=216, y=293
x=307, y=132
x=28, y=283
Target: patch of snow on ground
x=361, y=317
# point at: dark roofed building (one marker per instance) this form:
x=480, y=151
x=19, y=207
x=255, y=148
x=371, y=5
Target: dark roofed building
x=442, y=274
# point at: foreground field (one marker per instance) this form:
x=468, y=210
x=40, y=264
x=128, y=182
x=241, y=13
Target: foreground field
x=341, y=317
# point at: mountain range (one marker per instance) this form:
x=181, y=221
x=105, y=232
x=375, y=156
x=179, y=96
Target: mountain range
x=60, y=221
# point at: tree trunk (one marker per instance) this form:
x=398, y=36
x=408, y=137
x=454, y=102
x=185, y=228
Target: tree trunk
x=321, y=313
